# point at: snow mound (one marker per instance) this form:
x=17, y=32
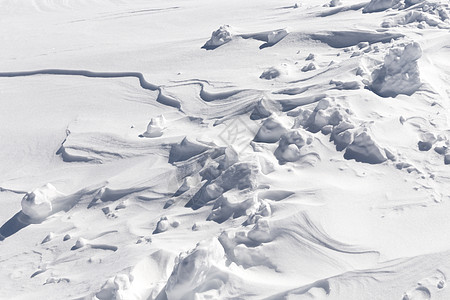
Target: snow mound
x=219, y=37
x=155, y=127
x=329, y=117
x=38, y=203
x=117, y=288
x=138, y=282
x=243, y=246
x=364, y=149
x=103, y=147
x=309, y=67
x=325, y=115
x=447, y=157
x=289, y=146
x=270, y=131
x=277, y=35
x=232, y=204
x=270, y=73
x=399, y=73
x=162, y=225
x=334, y=3
x=412, y=2
x=198, y=271
x=381, y=5
x=342, y=135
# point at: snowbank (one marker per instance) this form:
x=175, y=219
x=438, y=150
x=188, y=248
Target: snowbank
x=399, y=73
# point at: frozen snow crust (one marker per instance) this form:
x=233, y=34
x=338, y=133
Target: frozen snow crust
x=157, y=150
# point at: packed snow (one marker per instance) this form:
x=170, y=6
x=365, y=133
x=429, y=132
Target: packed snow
x=163, y=150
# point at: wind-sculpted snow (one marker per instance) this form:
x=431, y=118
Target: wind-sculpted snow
x=342, y=39
x=142, y=82
x=47, y=200
x=156, y=127
x=380, y=5
x=400, y=73
x=419, y=12
x=365, y=150
x=290, y=146
x=270, y=132
x=301, y=153
x=100, y=148
x=219, y=37
x=342, y=8
x=38, y=204
x=226, y=34
x=198, y=272
x=244, y=99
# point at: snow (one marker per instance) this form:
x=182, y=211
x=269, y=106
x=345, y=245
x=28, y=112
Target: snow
x=38, y=203
x=363, y=149
x=270, y=131
x=219, y=37
x=399, y=73
x=270, y=73
x=380, y=5
x=276, y=36
x=198, y=272
x=156, y=127
x=159, y=150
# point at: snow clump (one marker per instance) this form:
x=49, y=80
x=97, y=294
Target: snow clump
x=219, y=37
x=399, y=73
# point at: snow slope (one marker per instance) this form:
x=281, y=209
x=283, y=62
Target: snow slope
x=224, y=149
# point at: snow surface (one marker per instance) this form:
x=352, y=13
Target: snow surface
x=224, y=149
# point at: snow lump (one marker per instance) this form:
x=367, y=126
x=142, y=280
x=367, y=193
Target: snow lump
x=399, y=73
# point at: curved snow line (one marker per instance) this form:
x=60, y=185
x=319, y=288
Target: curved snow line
x=209, y=96
x=244, y=104
x=163, y=99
